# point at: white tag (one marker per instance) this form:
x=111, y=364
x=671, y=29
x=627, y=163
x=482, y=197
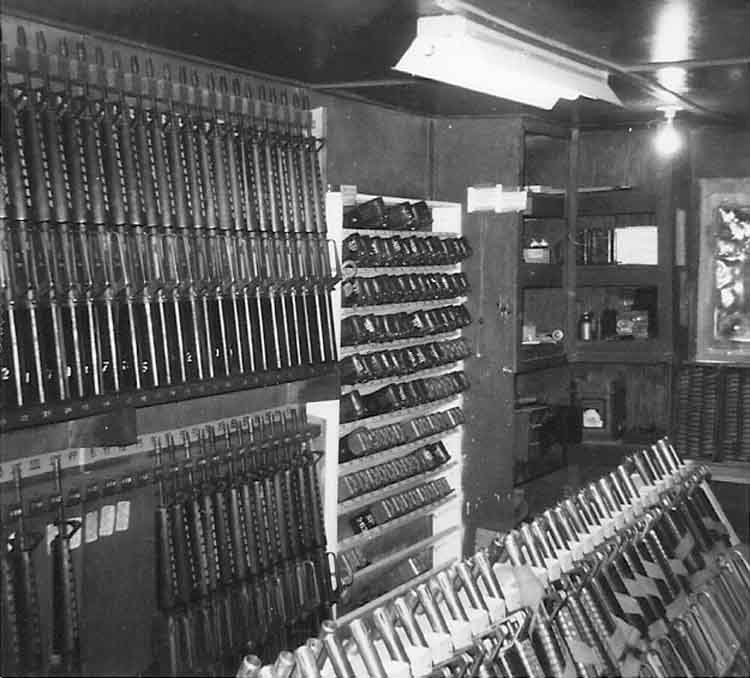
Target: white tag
x=684, y=547
x=460, y=632
x=107, y=520
x=554, y=571
x=619, y=520
x=653, y=570
x=541, y=574
x=509, y=587
x=647, y=585
x=678, y=567
x=633, y=587
x=628, y=605
x=576, y=549
x=597, y=534
x=52, y=532
x=581, y=652
x=677, y=607
x=566, y=560
x=91, y=527
x=630, y=667
x=657, y=629
x=496, y=608
x=588, y=543
x=75, y=540
x=479, y=620
x=440, y=646
x=608, y=528
x=122, y=520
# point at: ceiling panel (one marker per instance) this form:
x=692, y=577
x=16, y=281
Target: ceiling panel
x=340, y=41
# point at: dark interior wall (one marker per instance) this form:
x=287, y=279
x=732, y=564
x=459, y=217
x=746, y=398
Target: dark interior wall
x=381, y=151
x=720, y=152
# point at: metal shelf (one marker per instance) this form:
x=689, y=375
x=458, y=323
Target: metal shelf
x=363, y=500
x=385, y=528
x=398, y=343
x=406, y=269
x=384, y=232
x=403, y=554
x=370, y=460
x=36, y=415
x=425, y=304
x=365, y=387
x=378, y=419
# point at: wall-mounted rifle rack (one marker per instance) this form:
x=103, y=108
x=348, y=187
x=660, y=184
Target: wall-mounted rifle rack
x=639, y=574
x=162, y=233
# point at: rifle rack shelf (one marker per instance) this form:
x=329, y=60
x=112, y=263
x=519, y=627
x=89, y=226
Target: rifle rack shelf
x=443, y=538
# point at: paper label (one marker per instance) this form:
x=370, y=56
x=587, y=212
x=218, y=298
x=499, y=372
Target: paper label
x=653, y=570
x=460, y=632
x=588, y=543
x=576, y=549
x=496, y=608
x=678, y=567
x=628, y=604
x=647, y=585
x=619, y=520
x=91, y=527
x=75, y=540
x=581, y=652
x=617, y=642
x=630, y=667
x=478, y=619
x=52, y=532
x=566, y=560
x=506, y=577
x=122, y=519
x=684, y=547
x=597, y=534
x=107, y=520
x=677, y=607
x=657, y=629
x=633, y=587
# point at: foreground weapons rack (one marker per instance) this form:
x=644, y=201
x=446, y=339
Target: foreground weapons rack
x=240, y=548
x=160, y=237
x=639, y=574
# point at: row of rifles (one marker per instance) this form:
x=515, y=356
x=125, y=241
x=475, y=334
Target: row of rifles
x=241, y=544
x=154, y=232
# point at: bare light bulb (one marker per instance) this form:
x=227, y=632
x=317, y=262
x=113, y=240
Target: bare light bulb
x=667, y=140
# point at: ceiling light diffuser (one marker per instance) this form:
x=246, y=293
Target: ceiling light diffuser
x=454, y=50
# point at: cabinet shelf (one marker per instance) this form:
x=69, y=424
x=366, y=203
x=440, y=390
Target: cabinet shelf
x=385, y=528
x=370, y=460
x=403, y=554
x=372, y=271
x=617, y=275
x=349, y=505
x=347, y=311
x=615, y=201
x=387, y=233
x=366, y=387
x=398, y=343
x=544, y=205
x=390, y=595
x=388, y=417
x=540, y=275
x=540, y=357
x=637, y=351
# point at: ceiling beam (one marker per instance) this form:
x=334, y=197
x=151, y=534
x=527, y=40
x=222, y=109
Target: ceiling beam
x=358, y=84
x=687, y=64
x=646, y=82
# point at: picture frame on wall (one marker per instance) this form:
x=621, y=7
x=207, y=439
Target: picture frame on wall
x=723, y=313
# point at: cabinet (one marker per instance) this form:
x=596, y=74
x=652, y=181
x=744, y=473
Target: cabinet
x=396, y=474
x=630, y=303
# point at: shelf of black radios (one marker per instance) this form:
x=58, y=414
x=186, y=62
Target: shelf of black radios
x=401, y=358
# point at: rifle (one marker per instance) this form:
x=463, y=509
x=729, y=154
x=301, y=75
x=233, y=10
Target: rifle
x=65, y=622
x=23, y=588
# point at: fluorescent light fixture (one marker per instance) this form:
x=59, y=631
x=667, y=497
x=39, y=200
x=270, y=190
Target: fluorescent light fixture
x=464, y=53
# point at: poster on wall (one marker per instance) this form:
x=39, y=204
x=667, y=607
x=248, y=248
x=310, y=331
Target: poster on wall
x=723, y=328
